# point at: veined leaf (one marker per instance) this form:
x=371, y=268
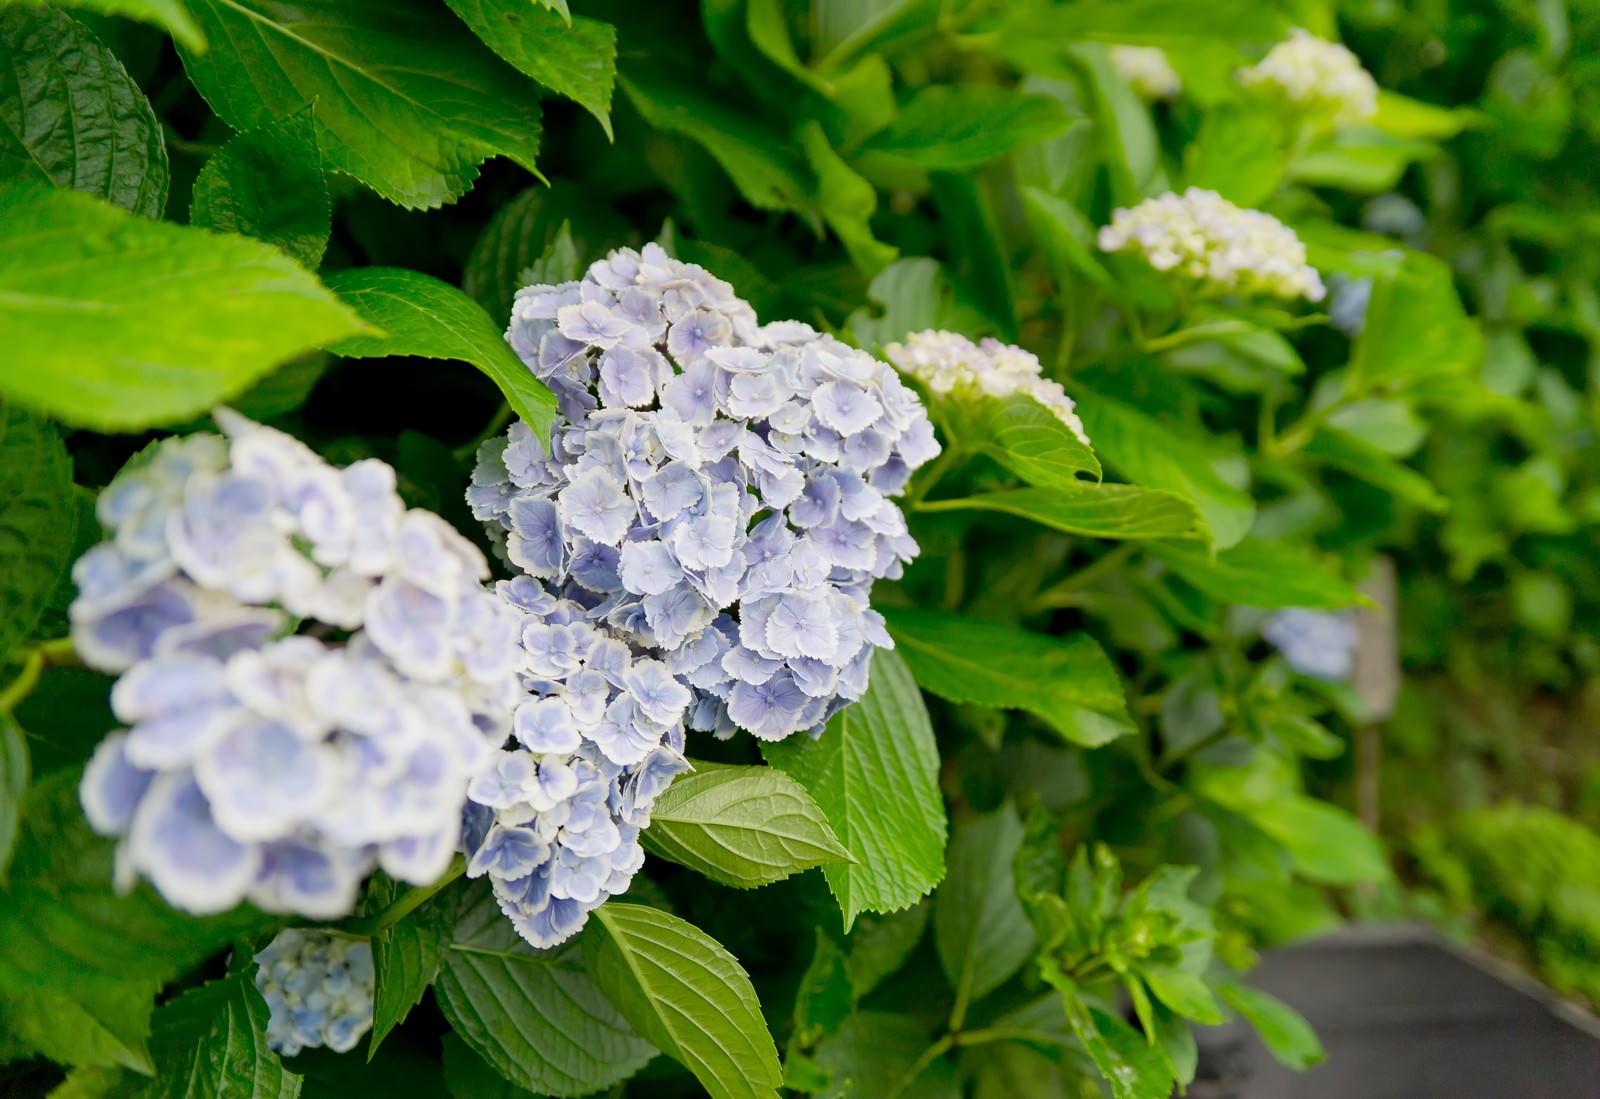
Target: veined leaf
x=406, y=957
x=875, y=772
x=1286, y=1033
x=1259, y=574
x=37, y=521
x=407, y=100
x=419, y=315
x=268, y=184
x=742, y=826
x=535, y=1015
x=687, y=995
x=950, y=128
x=982, y=934
x=71, y=116
x=1092, y=510
x=1032, y=441
x=120, y=324
x=211, y=1043
x=1068, y=682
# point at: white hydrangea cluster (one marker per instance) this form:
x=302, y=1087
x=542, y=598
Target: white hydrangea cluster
x=1147, y=71
x=1320, y=77
x=1321, y=644
x=949, y=363
x=718, y=492
x=1201, y=236
x=265, y=764
x=555, y=822
x=319, y=990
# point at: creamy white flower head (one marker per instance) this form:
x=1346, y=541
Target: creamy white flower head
x=1200, y=235
x=1320, y=76
x=949, y=363
x=1147, y=71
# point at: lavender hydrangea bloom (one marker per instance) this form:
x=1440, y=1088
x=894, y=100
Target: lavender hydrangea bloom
x=709, y=474
x=1321, y=644
x=267, y=766
x=554, y=821
x=319, y=990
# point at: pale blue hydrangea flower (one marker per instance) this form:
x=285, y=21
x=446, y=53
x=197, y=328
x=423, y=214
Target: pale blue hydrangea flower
x=717, y=492
x=1347, y=308
x=554, y=821
x=274, y=767
x=1321, y=644
x=319, y=990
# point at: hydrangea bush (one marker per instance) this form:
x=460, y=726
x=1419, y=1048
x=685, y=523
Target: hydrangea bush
x=659, y=552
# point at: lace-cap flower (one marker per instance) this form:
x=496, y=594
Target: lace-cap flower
x=276, y=767
x=319, y=990
x=1221, y=248
x=1320, y=77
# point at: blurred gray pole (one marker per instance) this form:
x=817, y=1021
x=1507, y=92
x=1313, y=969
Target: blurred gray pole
x=1376, y=679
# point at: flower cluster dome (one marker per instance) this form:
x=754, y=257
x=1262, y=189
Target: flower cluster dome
x=717, y=492
x=1147, y=71
x=319, y=990
x=1201, y=236
x=1319, y=76
x=271, y=765
x=554, y=823
x=949, y=363
x=1321, y=644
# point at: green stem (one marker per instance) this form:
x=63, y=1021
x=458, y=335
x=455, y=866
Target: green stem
x=929, y=1056
x=405, y=904
x=1190, y=335
x=502, y=418
x=27, y=679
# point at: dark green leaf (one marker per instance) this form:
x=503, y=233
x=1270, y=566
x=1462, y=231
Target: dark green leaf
x=535, y=1015
x=37, y=521
x=407, y=956
x=576, y=58
x=947, y=127
x=876, y=1054
x=982, y=933
x=687, y=995
x=469, y=1076
x=267, y=183
x=742, y=826
x=71, y=116
x=1416, y=327
x=14, y=778
x=1286, y=1033
x=120, y=324
x=880, y=943
x=1066, y=681
x=1259, y=574
x=882, y=743
x=170, y=15
x=211, y=1043
x=1092, y=510
x=1360, y=458
x=419, y=315
x=826, y=995
x=407, y=100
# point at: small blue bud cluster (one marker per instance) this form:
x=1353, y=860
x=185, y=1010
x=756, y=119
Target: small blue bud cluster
x=318, y=987
x=555, y=822
x=719, y=491
x=1321, y=644
x=267, y=765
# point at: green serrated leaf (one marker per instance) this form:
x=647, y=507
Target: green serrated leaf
x=556, y=264
x=419, y=315
x=1091, y=510
x=71, y=116
x=826, y=995
x=1068, y=682
x=981, y=932
x=37, y=521
x=880, y=744
x=15, y=775
x=170, y=15
x=950, y=128
x=1256, y=573
x=407, y=100
x=211, y=1043
x=1031, y=441
x=742, y=826
x=1133, y=1067
x=535, y=1015
x=576, y=58
x=80, y=965
x=407, y=955
x=267, y=183
x=685, y=993
x=1282, y=1028
x=119, y=324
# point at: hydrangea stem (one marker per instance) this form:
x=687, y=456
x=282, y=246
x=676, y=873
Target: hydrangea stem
x=405, y=904
x=46, y=654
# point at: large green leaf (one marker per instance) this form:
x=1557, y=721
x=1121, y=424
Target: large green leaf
x=1156, y=456
x=211, y=1043
x=406, y=956
x=14, y=778
x=1415, y=328
x=1032, y=441
x=1068, y=681
x=1130, y=1063
x=1282, y=1028
x=685, y=993
x=71, y=116
x=875, y=772
x=535, y=1015
x=419, y=315
x=979, y=927
x=947, y=127
x=1092, y=510
x=574, y=57
x=120, y=324
x=80, y=965
x=407, y=100
x=170, y=15
x=1359, y=458
x=268, y=184
x=878, y=1054
x=1259, y=574
x=37, y=521
x=742, y=826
